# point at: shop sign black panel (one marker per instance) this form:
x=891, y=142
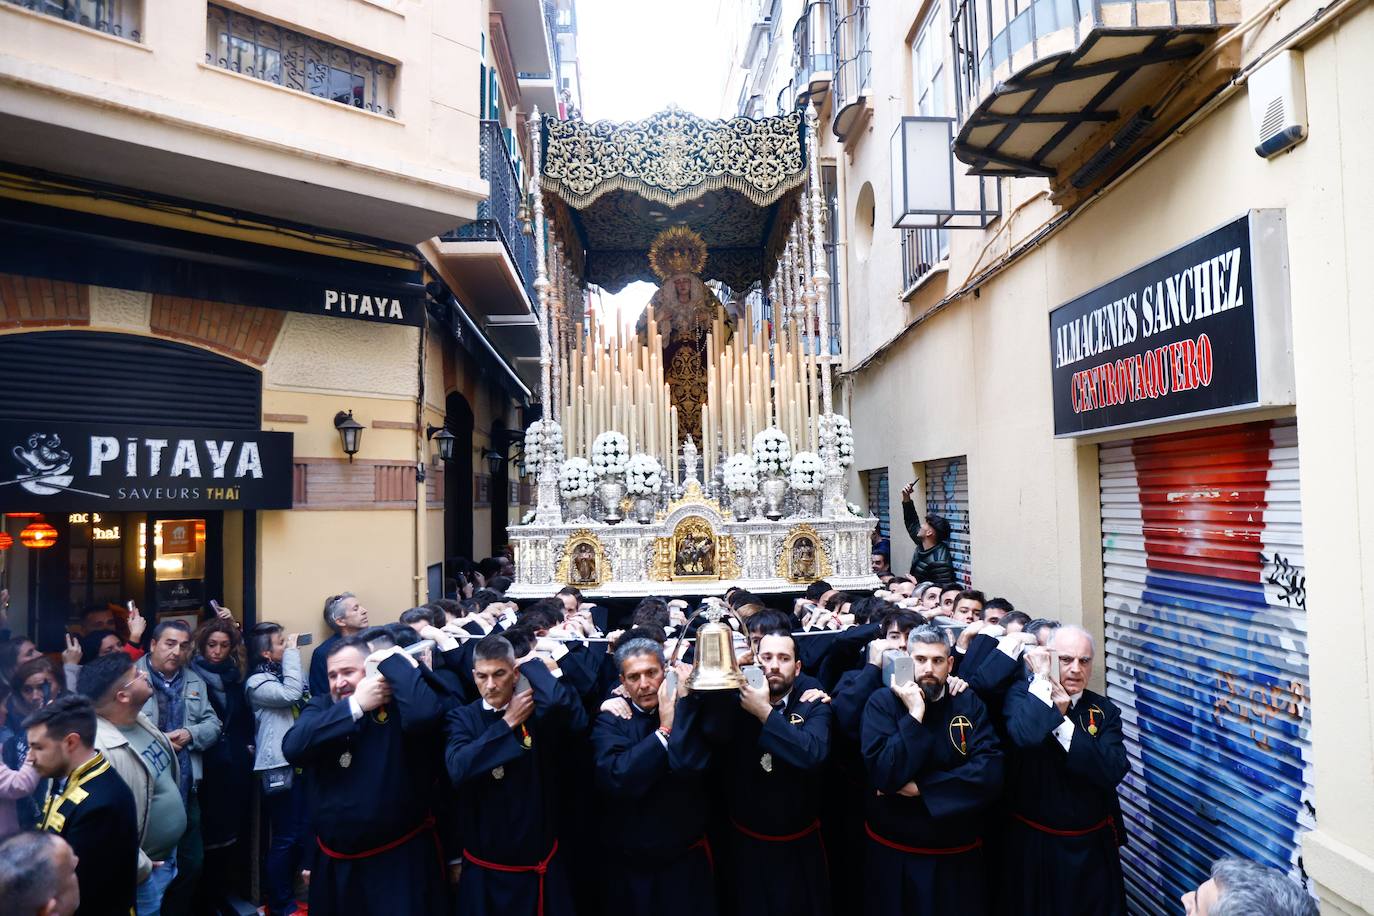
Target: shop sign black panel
x=110, y=466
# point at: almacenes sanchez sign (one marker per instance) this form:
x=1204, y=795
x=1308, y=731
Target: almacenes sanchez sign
x=1200, y=330
x=87, y=466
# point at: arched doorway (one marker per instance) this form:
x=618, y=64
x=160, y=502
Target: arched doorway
x=458, y=483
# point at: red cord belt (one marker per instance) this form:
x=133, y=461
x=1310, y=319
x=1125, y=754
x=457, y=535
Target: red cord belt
x=1108, y=821
x=920, y=851
x=815, y=825
x=426, y=824
x=541, y=870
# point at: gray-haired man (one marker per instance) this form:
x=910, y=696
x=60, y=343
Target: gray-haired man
x=345, y=615
x=1240, y=888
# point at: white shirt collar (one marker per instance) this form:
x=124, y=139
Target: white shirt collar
x=490, y=708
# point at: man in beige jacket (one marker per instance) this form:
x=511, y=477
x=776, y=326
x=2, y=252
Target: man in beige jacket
x=146, y=760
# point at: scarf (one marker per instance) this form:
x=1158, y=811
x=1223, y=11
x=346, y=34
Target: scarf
x=171, y=715
x=219, y=677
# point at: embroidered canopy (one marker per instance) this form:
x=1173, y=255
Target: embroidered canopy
x=613, y=187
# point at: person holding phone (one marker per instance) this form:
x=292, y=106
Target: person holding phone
x=276, y=692
x=932, y=560
x=1066, y=758
x=505, y=756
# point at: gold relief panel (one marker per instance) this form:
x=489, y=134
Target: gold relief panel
x=803, y=557
x=694, y=496
x=583, y=562
x=694, y=552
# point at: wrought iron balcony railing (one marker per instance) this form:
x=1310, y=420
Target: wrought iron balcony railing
x=499, y=217
x=813, y=58
x=853, y=61
x=123, y=18
x=921, y=251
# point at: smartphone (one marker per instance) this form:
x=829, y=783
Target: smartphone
x=130, y=605
x=753, y=676
x=898, y=668
x=671, y=677
x=522, y=684
x=214, y=606
x=304, y=639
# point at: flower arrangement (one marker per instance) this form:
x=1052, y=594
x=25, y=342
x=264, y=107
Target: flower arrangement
x=772, y=451
x=528, y=517
x=741, y=474
x=806, y=473
x=610, y=453
x=856, y=510
x=544, y=439
x=643, y=475
x=844, y=435
x=575, y=480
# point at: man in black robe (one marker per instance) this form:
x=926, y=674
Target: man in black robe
x=1066, y=758
x=649, y=770
x=503, y=759
x=368, y=750
x=88, y=804
x=934, y=766
x=776, y=754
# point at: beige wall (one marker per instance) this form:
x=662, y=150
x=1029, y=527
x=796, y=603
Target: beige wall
x=974, y=378
x=154, y=104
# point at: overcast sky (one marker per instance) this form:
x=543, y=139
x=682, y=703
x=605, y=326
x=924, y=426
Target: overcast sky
x=638, y=57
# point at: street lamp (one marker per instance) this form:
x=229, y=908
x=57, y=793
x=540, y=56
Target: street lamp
x=445, y=440
x=350, y=432
x=494, y=460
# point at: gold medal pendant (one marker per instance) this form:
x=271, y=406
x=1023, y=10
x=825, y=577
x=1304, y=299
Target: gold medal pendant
x=766, y=761
x=498, y=773
x=346, y=759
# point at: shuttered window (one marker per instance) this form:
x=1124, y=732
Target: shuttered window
x=947, y=495
x=1206, y=626
x=875, y=482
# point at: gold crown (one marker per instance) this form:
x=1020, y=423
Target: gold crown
x=677, y=250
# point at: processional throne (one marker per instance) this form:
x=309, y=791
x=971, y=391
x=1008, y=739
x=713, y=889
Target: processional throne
x=701, y=450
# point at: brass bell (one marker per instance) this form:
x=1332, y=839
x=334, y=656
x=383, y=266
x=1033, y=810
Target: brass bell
x=716, y=667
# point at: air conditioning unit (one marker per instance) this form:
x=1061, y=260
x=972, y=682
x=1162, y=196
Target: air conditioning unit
x=1278, y=104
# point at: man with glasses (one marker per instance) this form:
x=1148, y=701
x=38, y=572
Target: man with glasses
x=146, y=760
x=1066, y=758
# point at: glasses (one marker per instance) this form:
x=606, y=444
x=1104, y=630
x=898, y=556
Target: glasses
x=139, y=674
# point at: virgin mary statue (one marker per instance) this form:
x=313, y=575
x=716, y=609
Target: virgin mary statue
x=684, y=309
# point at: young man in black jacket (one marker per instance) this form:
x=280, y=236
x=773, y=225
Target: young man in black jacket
x=88, y=805
x=932, y=561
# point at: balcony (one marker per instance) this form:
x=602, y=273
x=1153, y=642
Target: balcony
x=813, y=58
x=528, y=25
x=121, y=18
x=922, y=250
x=489, y=262
x=1060, y=88
x=853, y=71
x=541, y=87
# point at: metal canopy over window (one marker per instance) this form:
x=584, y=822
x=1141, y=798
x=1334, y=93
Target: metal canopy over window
x=923, y=180
x=1205, y=603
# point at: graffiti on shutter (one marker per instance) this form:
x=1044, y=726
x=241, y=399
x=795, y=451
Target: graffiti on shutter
x=1206, y=626
x=875, y=482
x=947, y=495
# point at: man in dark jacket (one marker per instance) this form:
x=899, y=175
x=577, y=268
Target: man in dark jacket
x=1066, y=759
x=932, y=561
x=88, y=805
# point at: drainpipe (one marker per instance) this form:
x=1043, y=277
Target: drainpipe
x=421, y=462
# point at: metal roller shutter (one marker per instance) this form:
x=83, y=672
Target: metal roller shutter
x=947, y=495
x=1206, y=625
x=875, y=481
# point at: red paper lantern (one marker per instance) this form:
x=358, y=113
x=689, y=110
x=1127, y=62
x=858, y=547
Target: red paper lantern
x=38, y=536
x=6, y=542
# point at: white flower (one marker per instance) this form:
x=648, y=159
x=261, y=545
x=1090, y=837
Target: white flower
x=543, y=441
x=844, y=436
x=772, y=451
x=643, y=475
x=806, y=473
x=741, y=474
x=527, y=517
x=610, y=453
x=576, y=480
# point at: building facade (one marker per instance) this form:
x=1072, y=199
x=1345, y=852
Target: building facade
x=1120, y=343
x=224, y=295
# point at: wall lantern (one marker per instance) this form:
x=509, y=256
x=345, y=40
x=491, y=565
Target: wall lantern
x=38, y=536
x=923, y=180
x=6, y=542
x=350, y=432
x=444, y=439
x=494, y=460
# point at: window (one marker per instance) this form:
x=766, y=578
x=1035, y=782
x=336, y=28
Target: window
x=114, y=17
x=266, y=51
x=928, y=89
